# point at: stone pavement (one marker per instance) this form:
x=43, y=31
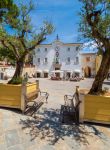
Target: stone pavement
x=44, y=131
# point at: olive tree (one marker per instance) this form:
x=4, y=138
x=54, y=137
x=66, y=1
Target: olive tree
x=95, y=25
x=23, y=40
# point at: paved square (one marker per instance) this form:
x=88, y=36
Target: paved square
x=44, y=131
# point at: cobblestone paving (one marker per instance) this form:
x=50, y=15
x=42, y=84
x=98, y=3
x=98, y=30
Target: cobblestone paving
x=44, y=131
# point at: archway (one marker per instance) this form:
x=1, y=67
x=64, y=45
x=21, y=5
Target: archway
x=45, y=75
x=38, y=75
x=87, y=72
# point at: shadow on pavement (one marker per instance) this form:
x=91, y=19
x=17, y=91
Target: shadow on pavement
x=14, y=110
x=46, y=125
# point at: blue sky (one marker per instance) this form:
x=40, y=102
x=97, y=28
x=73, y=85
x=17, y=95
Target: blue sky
x=62, y=13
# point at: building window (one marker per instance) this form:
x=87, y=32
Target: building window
x=68, y=49
x=38, y=50
x=77, y=48
x=45, y=49
x=45, y=60
x=77, y=60
x=68, y=59
x=87, y=59
x=38, y=60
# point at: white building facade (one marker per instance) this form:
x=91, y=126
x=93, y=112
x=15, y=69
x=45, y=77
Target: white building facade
x=64, y=57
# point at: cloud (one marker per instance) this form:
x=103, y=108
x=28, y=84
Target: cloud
x=90, y=47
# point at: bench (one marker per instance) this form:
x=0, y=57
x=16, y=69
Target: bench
x=70, y=108
x=34, y=100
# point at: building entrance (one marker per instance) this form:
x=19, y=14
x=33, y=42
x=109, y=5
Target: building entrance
x=45, y=75
x=38, y=75
x=57, y=75
x=68, y=75
x=87, y=72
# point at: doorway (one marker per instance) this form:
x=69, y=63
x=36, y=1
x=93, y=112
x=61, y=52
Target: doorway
x=38, y=75
x=57, y=75
x=68, y=75
x=87, y=72
x=45, y=75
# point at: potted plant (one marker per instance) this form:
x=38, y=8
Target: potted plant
x=16, y=46
x=95, y=23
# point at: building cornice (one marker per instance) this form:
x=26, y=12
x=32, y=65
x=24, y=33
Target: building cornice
x=88, y=53
x=73, y=44
x=47, y=45
x=66, y=44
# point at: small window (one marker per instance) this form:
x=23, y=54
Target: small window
x=45, y=60
x=38, y=60
x=68, y=49
x=87, y=59
x=45, y=49
x=68, y=59
x=77, y=60
x=77, y=48
x=38, y=50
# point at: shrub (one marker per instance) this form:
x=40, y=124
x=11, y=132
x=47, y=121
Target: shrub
x=17, y=80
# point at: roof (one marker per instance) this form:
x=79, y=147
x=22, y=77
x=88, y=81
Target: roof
x=62, y=43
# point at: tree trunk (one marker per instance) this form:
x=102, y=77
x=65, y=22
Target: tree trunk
x=101, y=75
x=18, y=71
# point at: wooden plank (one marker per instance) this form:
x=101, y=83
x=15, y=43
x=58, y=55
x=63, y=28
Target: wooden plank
x=97, y=117
x=97, y=99
x=10, y=95
x=9, y=103
x=97, y=108
x=31, y=88
x=99, y=111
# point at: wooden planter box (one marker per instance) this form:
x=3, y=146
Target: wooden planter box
x=95, y=108
x=12, y=96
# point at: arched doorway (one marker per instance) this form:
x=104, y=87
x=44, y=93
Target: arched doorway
x=38, y=75
x=87, y=72
x=45, y=75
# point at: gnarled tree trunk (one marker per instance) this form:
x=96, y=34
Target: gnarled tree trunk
x=101, y=75
x=18, y=71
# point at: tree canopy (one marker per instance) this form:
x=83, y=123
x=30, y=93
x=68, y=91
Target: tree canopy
x=8, y=10
x=95, y=21
x=95, y=25
x=24, y=38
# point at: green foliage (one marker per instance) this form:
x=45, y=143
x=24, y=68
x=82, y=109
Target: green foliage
x=95, y=25
x=16, y=80
x=8, y=10
x=23, y=38
x=95, y=22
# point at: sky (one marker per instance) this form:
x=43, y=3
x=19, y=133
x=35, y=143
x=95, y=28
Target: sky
x=62, y=13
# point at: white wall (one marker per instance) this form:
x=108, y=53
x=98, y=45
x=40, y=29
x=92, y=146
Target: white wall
x=63, y=55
